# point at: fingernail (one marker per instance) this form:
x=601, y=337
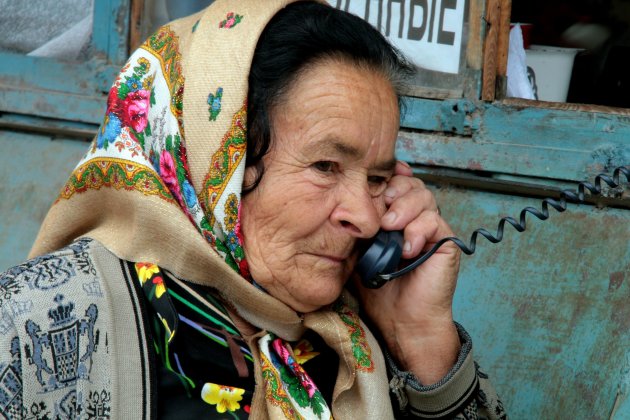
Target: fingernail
x=390, y=192
x=390, y=217
x=404, y=163
x=407, y=247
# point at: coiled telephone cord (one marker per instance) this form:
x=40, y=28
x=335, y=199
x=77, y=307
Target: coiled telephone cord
x=520, y=225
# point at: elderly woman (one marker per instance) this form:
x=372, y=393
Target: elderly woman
x=195, y=264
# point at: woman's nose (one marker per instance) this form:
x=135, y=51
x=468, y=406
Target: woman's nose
x=358, y=213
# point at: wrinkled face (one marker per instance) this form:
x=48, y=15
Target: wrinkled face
x=331, y=157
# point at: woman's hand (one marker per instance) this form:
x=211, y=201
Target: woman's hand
x=414, y=312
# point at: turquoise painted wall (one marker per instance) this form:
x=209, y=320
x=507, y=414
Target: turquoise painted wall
x=33, y=169
x=547, y=308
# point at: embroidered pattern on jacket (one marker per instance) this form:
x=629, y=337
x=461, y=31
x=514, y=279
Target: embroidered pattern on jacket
x=43, y=273
x=59, y=354
x=69, y=406
x=10, y=284
x=11, y=383
x=40, y=273
x=11, y=310
x=98, y=405
x=482, y=402
x=81, y=256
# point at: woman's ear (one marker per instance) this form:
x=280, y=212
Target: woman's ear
x=252, y=177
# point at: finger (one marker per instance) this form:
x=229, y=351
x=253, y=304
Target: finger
x=401, y=185
x=408, y=207
x=423, y=232
x=403, y=168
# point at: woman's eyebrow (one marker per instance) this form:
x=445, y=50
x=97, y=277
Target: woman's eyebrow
x=337, y=147
x=388, y=165
x=334, y=146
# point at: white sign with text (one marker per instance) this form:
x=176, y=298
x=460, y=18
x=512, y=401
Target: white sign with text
x=428, y=32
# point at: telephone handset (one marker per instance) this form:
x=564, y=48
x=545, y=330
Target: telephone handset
x=379, y=263
x=381, y=257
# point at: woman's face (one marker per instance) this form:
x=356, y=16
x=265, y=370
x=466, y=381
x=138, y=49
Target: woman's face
x=332, y=153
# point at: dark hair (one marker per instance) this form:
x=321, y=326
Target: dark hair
x=297, y=36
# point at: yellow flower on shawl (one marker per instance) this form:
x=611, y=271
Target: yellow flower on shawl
x=146, y=270
x=226, y=398
x=144, y=63
x=231, y=213
x=303, y=352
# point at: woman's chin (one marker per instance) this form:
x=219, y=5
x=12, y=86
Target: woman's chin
x=310, y=302
x=309, y=288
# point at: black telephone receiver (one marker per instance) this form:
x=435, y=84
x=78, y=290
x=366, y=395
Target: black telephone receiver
x=381, y=257
x=379, y=263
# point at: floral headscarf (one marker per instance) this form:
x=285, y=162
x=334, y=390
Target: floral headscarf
x=162, y=180
x=142, y=127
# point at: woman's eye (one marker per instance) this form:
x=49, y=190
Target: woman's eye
x=377, y=180
x=377, y=184
x=324, y=166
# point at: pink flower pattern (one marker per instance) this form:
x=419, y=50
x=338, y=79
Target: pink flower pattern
x=168, y=173
x=282, y=349
x=135, y=110
x=232, y=19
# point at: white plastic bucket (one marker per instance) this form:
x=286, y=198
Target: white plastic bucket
x=550, y=70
